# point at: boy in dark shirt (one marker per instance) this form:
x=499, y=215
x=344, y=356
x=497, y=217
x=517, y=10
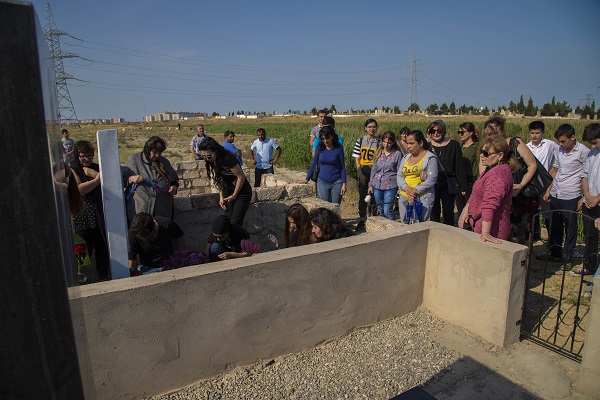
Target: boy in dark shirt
x=225, y=241
x=152, y=240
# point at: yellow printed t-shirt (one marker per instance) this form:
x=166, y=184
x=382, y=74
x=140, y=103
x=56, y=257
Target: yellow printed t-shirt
x=412, y=174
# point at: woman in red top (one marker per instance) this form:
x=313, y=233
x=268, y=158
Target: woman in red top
x=488, y=209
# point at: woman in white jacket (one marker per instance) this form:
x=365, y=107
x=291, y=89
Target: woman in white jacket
x=417, y=175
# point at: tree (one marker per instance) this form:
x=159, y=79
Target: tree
x=432, y=108
x=215, y=114
x=396, y=110
x=452, y=108
x=530, y=111
x=332, y=109
x=521, y=106
x=444, y=108
x=414, y=107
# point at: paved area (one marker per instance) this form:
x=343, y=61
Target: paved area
x=386, y=359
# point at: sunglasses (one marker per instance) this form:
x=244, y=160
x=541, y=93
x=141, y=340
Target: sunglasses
x=433, y=131
x=486, y=153
x=461, y=132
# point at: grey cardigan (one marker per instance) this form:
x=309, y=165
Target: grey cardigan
x=146, y=198
x=429, y=165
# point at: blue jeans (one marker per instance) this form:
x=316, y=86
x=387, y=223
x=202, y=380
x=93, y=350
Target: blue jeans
x=330, y=191
x=385, y=201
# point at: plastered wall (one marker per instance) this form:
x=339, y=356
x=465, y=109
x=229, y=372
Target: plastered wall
x=154, y=333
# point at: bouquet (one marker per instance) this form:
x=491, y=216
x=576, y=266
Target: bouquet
x=249, y=247
x=180, y=259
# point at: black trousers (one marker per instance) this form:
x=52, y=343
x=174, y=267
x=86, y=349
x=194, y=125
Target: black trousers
x=443, y=206
x=362, y=192
x=236, y=210
x=96, y=242
x=590, y=261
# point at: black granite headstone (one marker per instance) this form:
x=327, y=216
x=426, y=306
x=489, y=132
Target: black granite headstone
x=39, y=356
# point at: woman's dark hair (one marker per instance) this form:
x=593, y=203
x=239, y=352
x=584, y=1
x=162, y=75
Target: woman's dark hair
x=419, y=138
x=157, y=144
x=499, y=121
x=327, y=131
x=142, y=224
x=83, y=147
x=367, y=122
x=76, y=205
x=391, y=136
x=404, y=131
x=213, y=169
x=301, y=218
x=154, y=143
x=469, y=127
x=329, y=222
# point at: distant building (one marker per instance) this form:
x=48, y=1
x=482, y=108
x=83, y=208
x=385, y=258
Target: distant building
x=174, y=116
x=98, y=121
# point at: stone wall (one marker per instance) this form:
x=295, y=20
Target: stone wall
x=264, y=220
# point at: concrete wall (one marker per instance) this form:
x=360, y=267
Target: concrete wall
x=153, y=333
x=476, y=285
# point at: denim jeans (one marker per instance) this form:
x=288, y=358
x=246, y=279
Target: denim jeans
x=330, y=191
x=385, y=201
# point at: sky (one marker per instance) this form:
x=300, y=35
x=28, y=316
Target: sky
x=137, y=58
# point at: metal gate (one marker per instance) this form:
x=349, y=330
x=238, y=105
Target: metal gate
x=556, y=304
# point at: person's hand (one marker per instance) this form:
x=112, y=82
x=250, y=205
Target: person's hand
x=227, y=255
x=172, y=190
x=516, y=189
x=597, y=223
x=547, y=196
x=410, y=191
x=590, y=201
x=273, y=161
x=135, y=179
x=579, y=204
x=486, y=237
x=254, y=162
x=223, y=203
x=370, y=190
x=343, y=190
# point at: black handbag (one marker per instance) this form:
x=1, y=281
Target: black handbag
x=315, y=174
x=540, y=181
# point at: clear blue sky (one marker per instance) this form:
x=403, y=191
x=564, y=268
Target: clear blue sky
x=142, y=57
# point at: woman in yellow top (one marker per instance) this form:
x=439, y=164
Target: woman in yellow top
x=417, y=175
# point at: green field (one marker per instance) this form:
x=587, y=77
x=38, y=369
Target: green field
x=290, y=132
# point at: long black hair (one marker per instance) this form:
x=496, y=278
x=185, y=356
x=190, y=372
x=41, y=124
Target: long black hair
x=213, y=169
x=327, y=131
x=329, y=222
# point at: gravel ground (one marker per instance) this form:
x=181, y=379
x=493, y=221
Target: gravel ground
x=377, y=362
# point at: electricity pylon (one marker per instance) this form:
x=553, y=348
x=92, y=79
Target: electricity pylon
x=66, y=109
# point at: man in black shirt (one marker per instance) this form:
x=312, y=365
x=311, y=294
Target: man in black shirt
x=225, y=240
x=152, y=240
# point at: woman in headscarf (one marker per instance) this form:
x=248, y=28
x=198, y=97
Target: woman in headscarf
x=155, y=178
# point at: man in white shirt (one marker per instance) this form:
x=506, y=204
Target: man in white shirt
x=265, y=153
x=198, y=138
x=544, y=150
x=590, y=185
x=565, y=194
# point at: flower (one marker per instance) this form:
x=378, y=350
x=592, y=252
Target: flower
x=249, y=247
x=181, y=259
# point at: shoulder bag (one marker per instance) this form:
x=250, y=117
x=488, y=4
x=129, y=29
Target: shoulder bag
x=540, y=181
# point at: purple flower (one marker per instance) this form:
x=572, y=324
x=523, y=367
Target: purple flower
x=181, y=259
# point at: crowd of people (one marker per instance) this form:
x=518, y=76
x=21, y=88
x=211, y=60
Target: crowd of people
x=491, y=180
